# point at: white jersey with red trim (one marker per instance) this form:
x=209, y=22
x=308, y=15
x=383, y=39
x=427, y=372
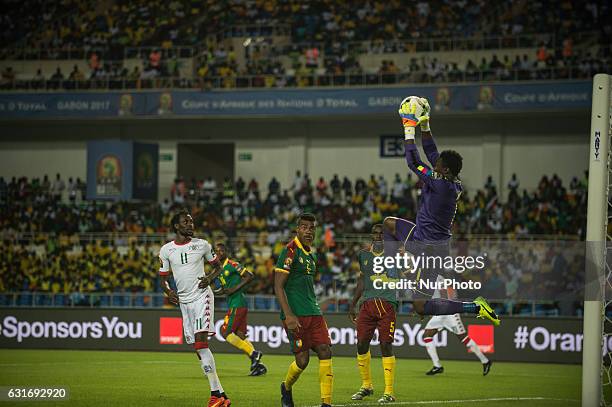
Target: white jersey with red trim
x=187, y=264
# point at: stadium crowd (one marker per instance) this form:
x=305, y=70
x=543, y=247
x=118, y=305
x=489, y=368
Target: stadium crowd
x=182, y=22
x=49, y=231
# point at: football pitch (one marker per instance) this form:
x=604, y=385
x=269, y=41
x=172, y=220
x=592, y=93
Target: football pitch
x=107, y=378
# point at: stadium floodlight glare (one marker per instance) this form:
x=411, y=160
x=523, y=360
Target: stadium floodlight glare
x=597, y=272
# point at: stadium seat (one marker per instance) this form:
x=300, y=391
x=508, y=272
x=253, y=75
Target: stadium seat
x=262, y=303
x=24, y=299
x=118, y=300
x=158, y=301
x=138, y=301
x=59, y=300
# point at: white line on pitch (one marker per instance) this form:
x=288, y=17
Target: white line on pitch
x=420, y=402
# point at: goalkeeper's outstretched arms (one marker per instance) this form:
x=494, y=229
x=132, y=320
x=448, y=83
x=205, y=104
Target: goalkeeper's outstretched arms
x=413, y=113
x=429, y=145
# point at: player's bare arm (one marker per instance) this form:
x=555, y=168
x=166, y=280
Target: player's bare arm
x=280, y=279
x=170, y=293
x=207, y=280
x=356, y=296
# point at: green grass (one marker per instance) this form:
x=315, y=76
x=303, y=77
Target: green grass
x=100, y=378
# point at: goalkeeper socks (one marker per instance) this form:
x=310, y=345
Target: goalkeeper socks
x=293, y=374
x=473, y=346
x=389, y=373
x=363, y=364
x=441, y=306
x=208, y=367
x=241, y=344
x=432, y=351
x=326, y=379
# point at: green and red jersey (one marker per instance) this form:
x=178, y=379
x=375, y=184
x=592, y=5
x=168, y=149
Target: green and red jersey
x=368, y=276
x=301, y=265
x=231, y=277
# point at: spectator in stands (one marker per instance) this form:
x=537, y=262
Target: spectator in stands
x=8, y=78
x=57, y=188
x=56, y=79
x=514, y=183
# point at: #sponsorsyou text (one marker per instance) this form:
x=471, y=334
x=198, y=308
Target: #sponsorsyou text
x=411, y=263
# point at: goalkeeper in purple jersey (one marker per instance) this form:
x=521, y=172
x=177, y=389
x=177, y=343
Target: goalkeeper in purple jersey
x=431, y=233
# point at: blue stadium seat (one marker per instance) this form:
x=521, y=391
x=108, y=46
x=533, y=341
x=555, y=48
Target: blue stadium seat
x=24, y=299
x=138, y=301
x=158, y=301
x=5, y=300
x=262, y=303
x=104, y=301
x=59, y=300
x=118, y=300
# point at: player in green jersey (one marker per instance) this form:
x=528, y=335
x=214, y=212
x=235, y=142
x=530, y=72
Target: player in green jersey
x=376, y=312
x=234, y=278
x=305, y=326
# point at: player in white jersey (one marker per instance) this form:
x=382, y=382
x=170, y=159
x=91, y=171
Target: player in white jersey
x=453, y=324
x=184, y=258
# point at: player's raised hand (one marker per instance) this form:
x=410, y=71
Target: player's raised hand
x=426, y=114
x=292, y=322
x=173, y=297
x=412, y=114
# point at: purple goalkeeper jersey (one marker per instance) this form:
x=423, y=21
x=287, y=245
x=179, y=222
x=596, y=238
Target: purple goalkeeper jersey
x=439, y=196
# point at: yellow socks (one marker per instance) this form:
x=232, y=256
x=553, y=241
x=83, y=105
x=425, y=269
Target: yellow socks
x=293, y=374
x=363, y=363
x=389, y=371
x=242, y=344
x=326, y=379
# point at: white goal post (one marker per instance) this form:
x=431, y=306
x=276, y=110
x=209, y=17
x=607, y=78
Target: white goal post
x=597, y=221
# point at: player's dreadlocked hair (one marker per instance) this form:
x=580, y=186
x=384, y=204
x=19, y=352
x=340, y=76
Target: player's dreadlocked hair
x=176, y=219
x=453, y=161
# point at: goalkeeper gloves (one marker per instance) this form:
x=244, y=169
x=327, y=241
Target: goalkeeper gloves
x=426, y=110
x=413, y=113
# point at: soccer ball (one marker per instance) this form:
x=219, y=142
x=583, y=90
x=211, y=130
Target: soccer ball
x=414, y=105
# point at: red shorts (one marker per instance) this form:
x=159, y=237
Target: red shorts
x=312, y=332
x=235, y=320
x=376, y=314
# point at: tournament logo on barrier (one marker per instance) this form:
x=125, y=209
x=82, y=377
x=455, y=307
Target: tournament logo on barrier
x=108, y=176
x=126, y=103
x=170, y=331
x=144, y=170
x=484, y=336
x=485, y=98
x=165, y=104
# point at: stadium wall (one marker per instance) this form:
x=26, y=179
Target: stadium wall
x=518, y=339
x=529, y=145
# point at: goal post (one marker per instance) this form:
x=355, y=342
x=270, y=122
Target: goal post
x=597, y=221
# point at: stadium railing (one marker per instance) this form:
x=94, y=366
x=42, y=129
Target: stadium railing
x=299, y=81
x=390, y=46
x=264, y=303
